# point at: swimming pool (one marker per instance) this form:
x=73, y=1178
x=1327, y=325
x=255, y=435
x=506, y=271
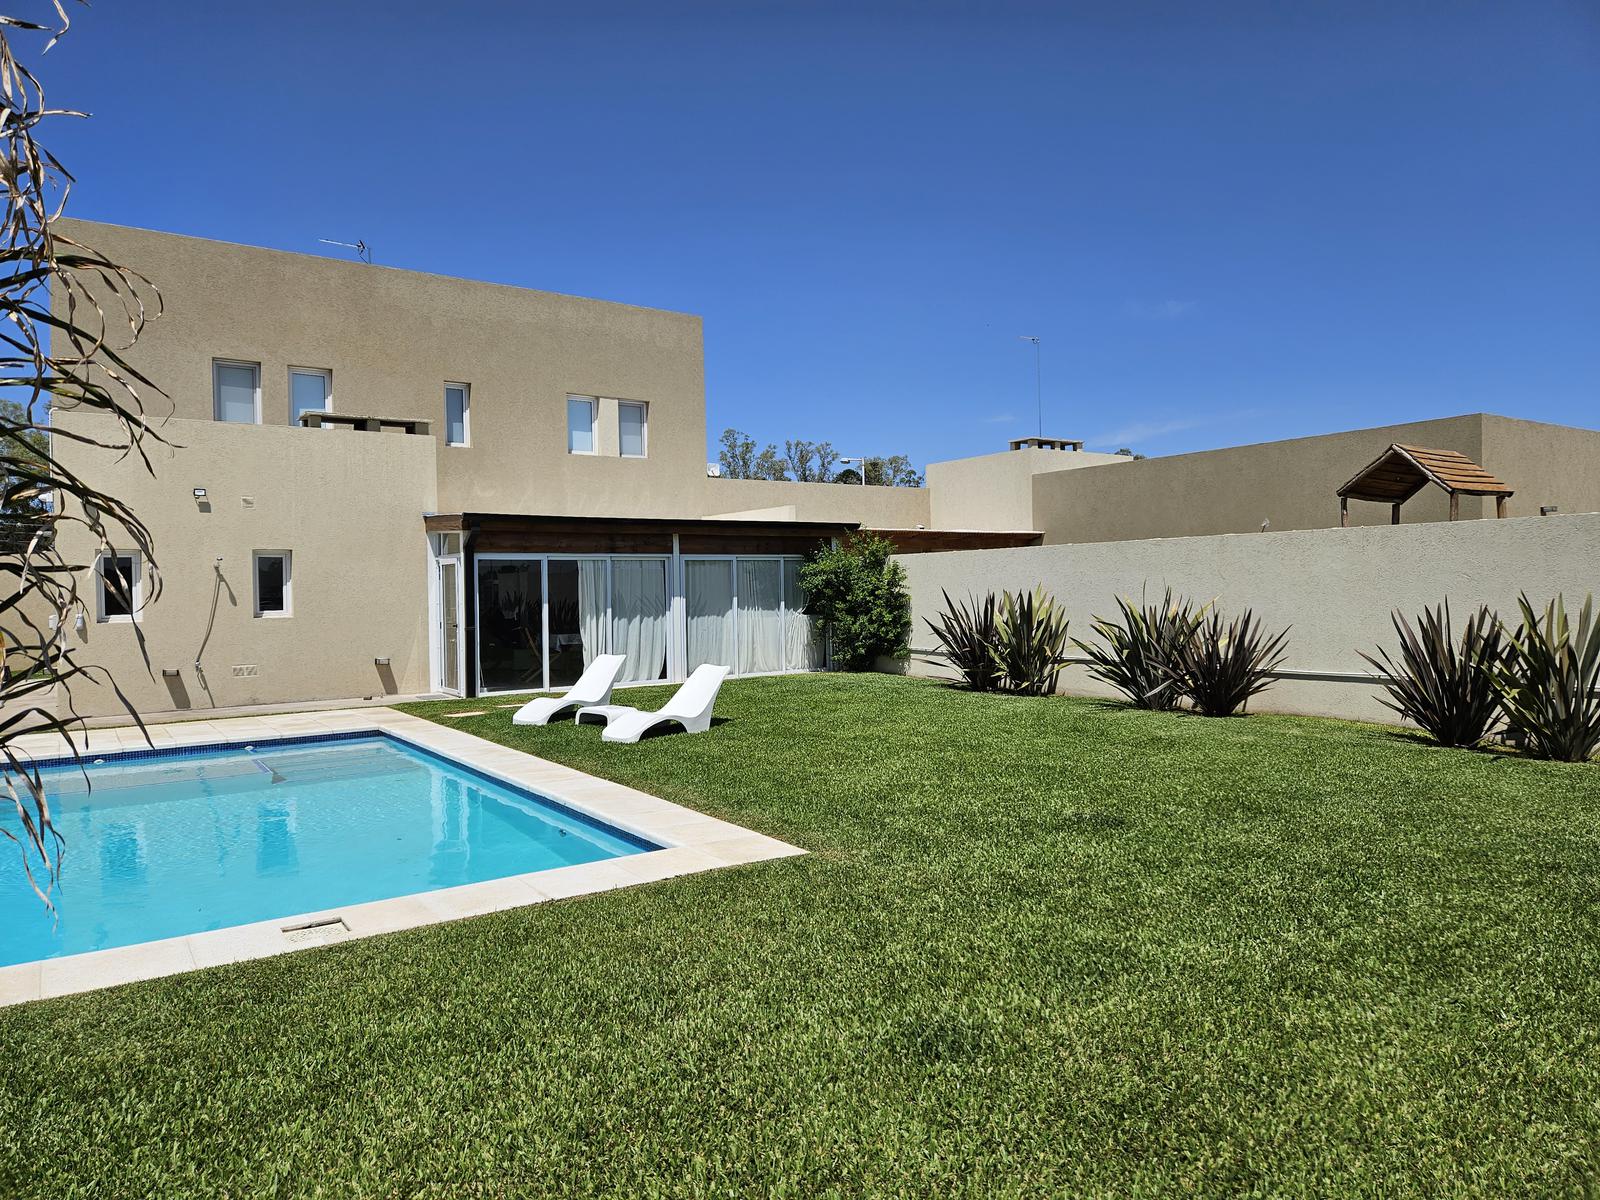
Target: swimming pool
x=160, y=844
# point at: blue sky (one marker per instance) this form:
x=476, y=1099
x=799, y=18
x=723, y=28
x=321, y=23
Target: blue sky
x=1227, y=222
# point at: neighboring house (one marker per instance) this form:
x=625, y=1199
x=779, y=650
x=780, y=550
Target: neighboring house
x=379, y=481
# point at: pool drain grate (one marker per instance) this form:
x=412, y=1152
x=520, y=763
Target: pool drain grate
x=317, y=933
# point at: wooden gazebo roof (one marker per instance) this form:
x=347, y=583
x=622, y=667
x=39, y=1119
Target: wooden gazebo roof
x=1400, y=472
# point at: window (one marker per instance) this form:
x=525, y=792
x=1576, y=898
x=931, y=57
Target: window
x=236, y=391
x=455, y=414
x=117, y=585
x=272, y=583
x=630, y=430
x=580, y=424
x=310, y=390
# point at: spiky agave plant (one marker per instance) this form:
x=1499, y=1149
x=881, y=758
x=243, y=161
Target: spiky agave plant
x=1548, y=680
x=966, y=631
x=1223, y=665
x=1443, y=685
x=1136, y=654
x=1030, y=642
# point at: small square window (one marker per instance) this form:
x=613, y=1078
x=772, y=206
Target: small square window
x=456, y=409
x=236, y=391
x=580, y=424
x=310, y=390
x=117, y=586
x=630, y=429
x=272, y=583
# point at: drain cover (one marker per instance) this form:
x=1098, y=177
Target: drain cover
x=316, y=933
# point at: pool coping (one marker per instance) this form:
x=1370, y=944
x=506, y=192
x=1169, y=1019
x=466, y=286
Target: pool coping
x=691, y=843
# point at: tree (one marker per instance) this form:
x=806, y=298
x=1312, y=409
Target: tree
x=807, y=462
x=859, y=591
x=894, y=471
x=738, y=455
x=770, y=465
x=65, y=353
x=1127, y=453
x=811, y=462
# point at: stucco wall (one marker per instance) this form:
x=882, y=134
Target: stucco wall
x=393, y=338
x=995, y=491
x=1290, y=483
x=1335, y=587
x=347, y=505
x=873, y=507
x=1547, y=464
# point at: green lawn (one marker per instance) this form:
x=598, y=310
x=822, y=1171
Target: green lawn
x=1040, y=946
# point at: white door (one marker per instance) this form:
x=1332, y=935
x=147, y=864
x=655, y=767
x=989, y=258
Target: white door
x=447, y=638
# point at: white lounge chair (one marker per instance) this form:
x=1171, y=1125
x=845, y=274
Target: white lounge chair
x=690, y=707
x=593, y=687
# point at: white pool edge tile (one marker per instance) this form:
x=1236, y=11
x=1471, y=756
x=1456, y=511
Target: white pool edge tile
x=691, y=843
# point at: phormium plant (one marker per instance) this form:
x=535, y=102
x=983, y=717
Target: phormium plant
x=1222, y=666
x=967, y=632
x=1030, y=642
x=1137, y=654
x=1443, y=685
x=1548, y=679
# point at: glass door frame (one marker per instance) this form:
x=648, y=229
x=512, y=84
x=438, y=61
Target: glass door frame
x=439, y=640
x=735, y=560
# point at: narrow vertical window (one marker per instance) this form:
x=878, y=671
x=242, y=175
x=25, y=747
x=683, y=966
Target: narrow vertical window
x=117, y=585
x=630, y=429
x=456, y=413
x=272, y=583
x=310, y=390
x=580, y=424
x=236, y=392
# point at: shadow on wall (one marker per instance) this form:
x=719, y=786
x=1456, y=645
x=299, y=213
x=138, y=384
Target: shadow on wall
x=177, y=690
x=386, y=683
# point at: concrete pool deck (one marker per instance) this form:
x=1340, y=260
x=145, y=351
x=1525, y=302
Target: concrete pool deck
x=693, y=842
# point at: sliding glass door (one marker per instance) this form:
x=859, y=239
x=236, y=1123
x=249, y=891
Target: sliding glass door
x=748, y=614
x=510, y=624
x=542, y=620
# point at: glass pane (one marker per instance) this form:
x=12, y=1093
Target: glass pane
x=577, y=617
x=449, y=675
x=708, y=603
x=804, y=641
x=580, y=425
x=510, y=641
x=269, y=583
x=455, y=416
x=631, y=418
x=308, y=392
x=639, y=617
x=117, y=571
x=236, y=393
x=760, y=622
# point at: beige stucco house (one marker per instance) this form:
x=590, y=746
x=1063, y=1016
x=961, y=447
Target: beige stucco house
x=375, y=482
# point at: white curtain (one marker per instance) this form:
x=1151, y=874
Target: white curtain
x=592, y=606
x=760, y=620
x=639, y=617
x=803, y=645
x=708, y=604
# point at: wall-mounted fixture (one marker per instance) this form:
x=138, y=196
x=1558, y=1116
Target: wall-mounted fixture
x=199, y=493
x=169, y=672
x=380, y=662
x=1546, y=510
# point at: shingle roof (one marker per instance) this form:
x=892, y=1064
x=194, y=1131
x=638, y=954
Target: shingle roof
x=1400, y=472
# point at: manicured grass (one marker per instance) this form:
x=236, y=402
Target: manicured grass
x=1039, y=947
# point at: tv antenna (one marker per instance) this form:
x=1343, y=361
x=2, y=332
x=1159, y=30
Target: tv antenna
x=363, y=251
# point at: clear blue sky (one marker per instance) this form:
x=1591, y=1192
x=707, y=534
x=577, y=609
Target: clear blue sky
x=1227, y=222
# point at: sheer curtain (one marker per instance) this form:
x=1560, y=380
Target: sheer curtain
x=639, y=617
x=760, y=620
x=803, y=646
x=708, y=603
x=592, y=606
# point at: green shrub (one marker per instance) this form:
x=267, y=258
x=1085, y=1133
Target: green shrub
x=1547, y=681
x=1222, y=666
x=1030, y=642
x=860, y=593
x=1137, y=654
x=968, y=635
x=1443, y=686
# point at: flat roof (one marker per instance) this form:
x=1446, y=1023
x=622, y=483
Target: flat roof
x=457, y=522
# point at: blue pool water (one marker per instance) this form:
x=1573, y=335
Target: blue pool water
x=169, y=844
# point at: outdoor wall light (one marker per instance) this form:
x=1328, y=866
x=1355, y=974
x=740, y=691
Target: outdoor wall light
x=380, y=662
x=169, y=672
x=199, y=493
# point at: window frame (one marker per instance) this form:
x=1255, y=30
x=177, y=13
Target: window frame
x=327, y=395
x=216, y=396
x=288, y=583
x=594, y=416
x=644, y=428
x=135, y=590
x=466, y=413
